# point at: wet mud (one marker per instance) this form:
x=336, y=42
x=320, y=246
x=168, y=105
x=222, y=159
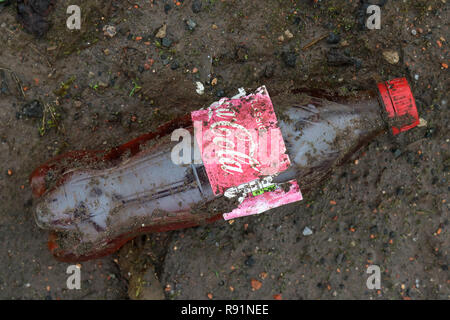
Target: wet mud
x=386, y=205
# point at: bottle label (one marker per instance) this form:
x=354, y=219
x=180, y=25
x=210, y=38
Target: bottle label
x=242, y=148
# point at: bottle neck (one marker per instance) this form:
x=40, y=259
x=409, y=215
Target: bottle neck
x=321, y=134
x=370, y=111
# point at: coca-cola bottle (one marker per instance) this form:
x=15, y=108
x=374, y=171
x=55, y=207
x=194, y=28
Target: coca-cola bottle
x=95, y=201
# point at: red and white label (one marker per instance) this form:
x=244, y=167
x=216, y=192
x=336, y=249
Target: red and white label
x=239, y=140
x=242, y=148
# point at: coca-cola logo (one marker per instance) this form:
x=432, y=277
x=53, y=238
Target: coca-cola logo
x=228, y=142
x=239, y=140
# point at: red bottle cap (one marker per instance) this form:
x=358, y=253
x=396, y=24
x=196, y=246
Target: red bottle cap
x=400, y=105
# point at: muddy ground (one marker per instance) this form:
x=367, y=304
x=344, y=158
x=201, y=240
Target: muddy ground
x=388, y=206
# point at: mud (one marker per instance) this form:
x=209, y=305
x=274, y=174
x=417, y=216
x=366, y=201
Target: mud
x=401, y=121
x=33, y=15
x=215, y=207
x=388, y=205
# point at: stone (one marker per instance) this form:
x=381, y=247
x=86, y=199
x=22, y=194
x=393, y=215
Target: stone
x=166, y=42
x=109, y=31
x=333, y=38
x=307, y=231
x=191, y=24
x=288, y=34
x=33, y=109
x=289, y=58
x=161, y=33
x=197, y=6
x=391, y=56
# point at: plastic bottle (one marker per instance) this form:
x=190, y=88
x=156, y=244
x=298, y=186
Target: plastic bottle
x=95, y=201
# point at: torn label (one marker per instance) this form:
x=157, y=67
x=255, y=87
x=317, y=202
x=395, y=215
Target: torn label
x=242, y=149
x=267, y=198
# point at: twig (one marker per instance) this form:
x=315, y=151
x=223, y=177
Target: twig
x=314, y=42
x=19, y=84
x=40, y=53
x=50, y=115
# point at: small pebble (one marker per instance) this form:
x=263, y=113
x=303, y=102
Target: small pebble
x=109, y=31
x=307, y=231
x=422, y=122
x=167, y=8
x=391, y=56
x=288, y=34
x=250, y=261
x=162, y=32
x=191, y=24
x=33, y=109
x=200, y=88
x=166, y=42
x=197, y=6
x=333, y=38
x=102, y=84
